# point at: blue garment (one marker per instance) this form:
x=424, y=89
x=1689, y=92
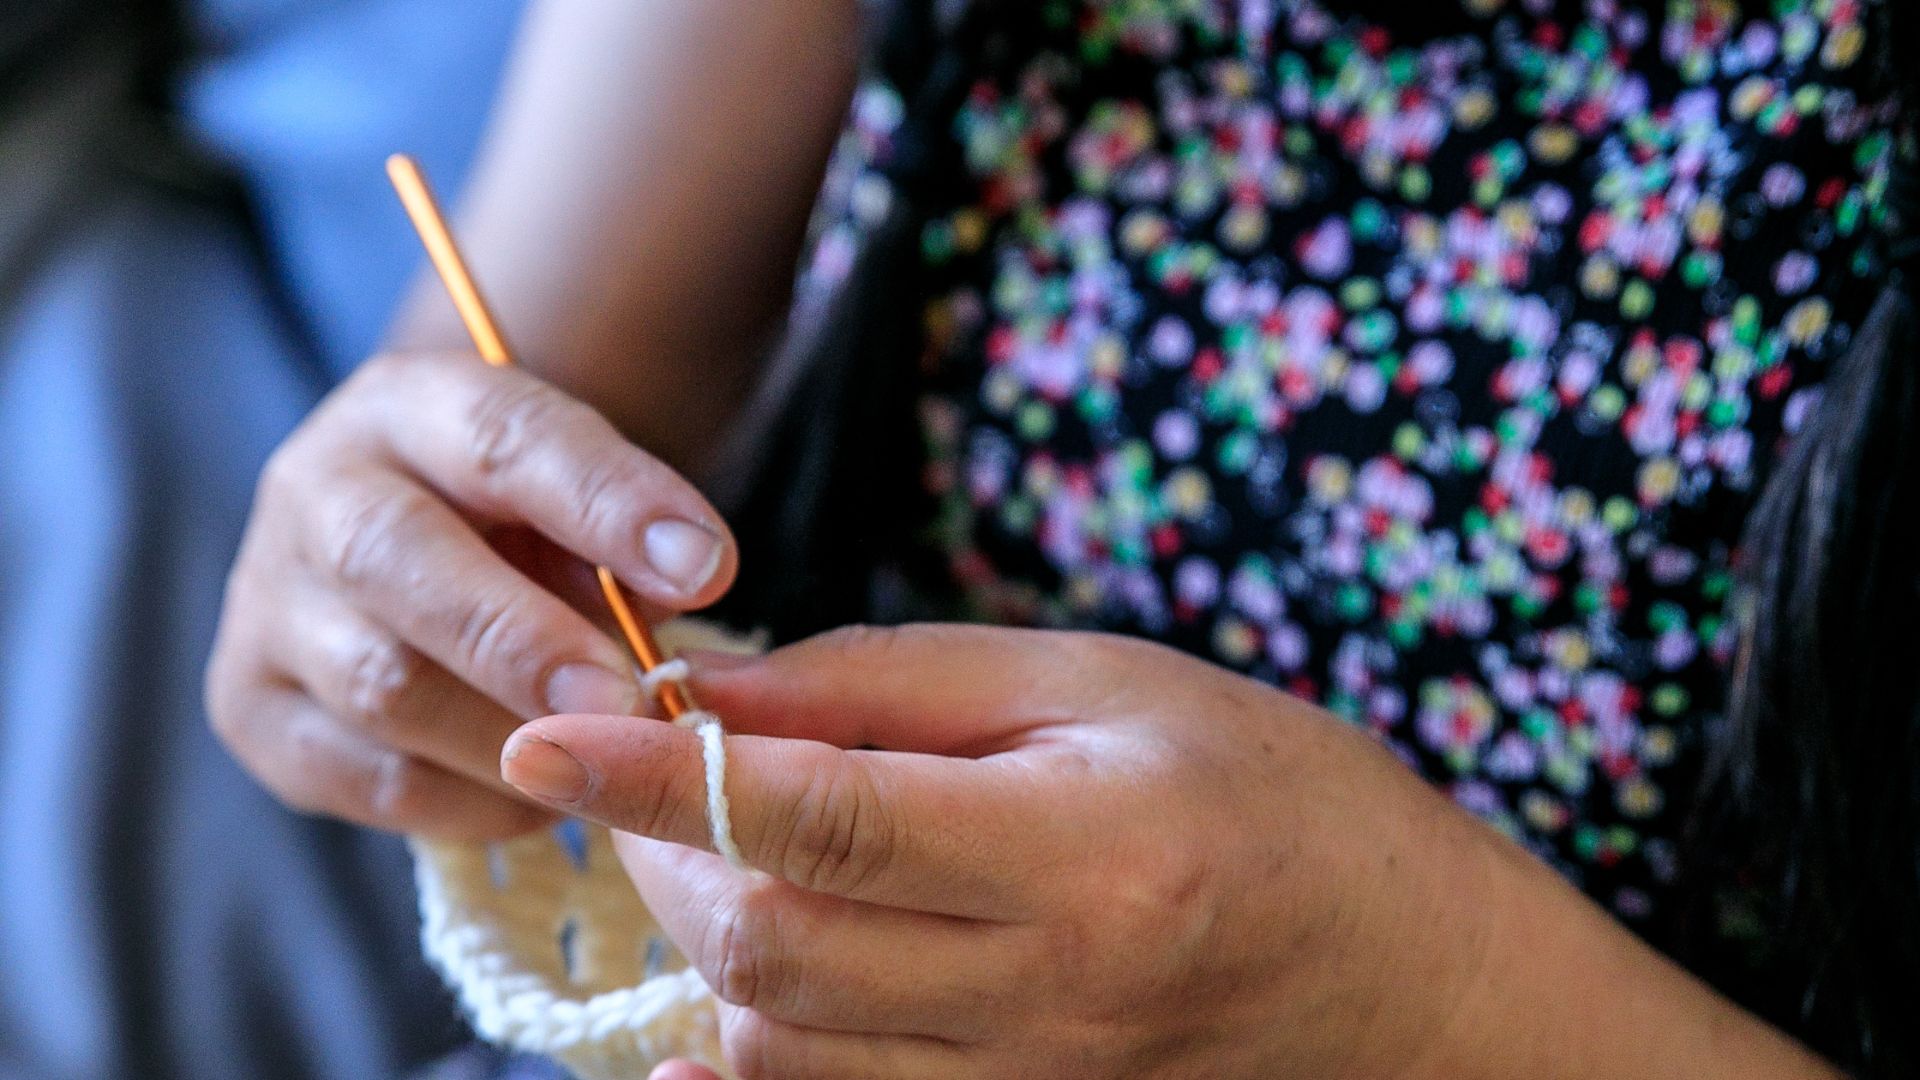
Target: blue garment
x=307, y=98
x=160, y=915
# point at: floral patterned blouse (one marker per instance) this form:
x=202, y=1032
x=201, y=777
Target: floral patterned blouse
x=1423, y=365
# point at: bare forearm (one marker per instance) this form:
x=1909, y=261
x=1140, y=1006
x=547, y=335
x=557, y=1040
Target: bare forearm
x=1567, y=992
x=642, y=196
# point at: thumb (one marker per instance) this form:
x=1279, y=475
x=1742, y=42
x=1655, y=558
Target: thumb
x=904, y=830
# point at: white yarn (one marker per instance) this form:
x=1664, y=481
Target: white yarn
x=552, y=957
x=713, y=747
x=673, y=671
x=592, y=1004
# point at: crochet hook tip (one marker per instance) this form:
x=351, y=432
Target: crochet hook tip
x=640, y=640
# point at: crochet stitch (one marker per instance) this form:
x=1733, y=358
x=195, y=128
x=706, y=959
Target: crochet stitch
x=551, y=951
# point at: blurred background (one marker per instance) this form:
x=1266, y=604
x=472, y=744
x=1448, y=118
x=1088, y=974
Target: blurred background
x=196, y=240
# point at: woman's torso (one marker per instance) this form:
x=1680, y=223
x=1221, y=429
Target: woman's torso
x=1425, y=365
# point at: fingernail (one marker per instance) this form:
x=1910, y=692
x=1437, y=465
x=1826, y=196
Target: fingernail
x=683, y=553
x=590, y=688
x=544, y=770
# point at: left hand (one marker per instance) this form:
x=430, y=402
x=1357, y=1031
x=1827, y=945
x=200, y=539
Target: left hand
x=1074, y=855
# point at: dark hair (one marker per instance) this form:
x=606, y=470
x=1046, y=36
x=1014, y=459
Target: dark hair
x=1812, y=806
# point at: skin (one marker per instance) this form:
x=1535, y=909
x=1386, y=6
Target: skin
x=1086, y=856
x=347, y=674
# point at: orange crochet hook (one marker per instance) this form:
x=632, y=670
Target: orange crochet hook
x=424, y=211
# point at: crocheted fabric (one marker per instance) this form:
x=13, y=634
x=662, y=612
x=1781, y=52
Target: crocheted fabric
x=548, y=946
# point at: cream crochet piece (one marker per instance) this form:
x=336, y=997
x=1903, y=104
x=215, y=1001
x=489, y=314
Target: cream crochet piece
x=556, y=955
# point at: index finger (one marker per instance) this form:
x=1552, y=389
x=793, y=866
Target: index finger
x=510, y=447
x=952, y=689
x=950, y=836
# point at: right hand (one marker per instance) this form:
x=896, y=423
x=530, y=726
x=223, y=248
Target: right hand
x=411, y=587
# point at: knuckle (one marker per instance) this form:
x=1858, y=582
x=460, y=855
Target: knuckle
x=377, y=674
x=837, y=832
x=601, y=499
x=301, y=792
x=365, y=537
x=283, y=471
x=1174, y=885
x=505, y=641
x=506, y=420
x=746, y=962
x=396, y=791
x=862, y=641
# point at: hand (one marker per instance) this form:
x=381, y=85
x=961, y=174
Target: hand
x=401, y=599
x=1076, y=856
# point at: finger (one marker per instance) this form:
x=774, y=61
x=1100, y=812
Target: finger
x=933, y=834
x=407, y=561
x=933, y=688
x=508, y=445
x=318, y=766
x=376, y=684
x=758, y=1046
x=820, y=961
x=556, y=570
x=682, y=1070
x=562, y=573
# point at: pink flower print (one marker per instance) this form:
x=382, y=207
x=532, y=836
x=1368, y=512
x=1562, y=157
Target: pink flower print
x=1385, y=706
x=1783, y=184
x=1426, y=309
x=1327, y=252
x=1344, y=556
x=1226, y=300
x=1063, y=534
x=1651, y=423
x=1604, y=696
x=1387, y=485
x=1669, y=565
x=1349, y=666
x=1366, y=389
x=1799, y=406
x=1171, y=342
x=1552, y=204
x=1287, y=647
x=1675, y=649
x=1513, y=758
x=1053, y=369
x=1480, y=798
x=1176, y=434
x=1455, y=719
x=1255, y=595
x=1795, y=273
x=1514, y=687
x=1428, y=363
x=1759, y=44
x=1731, y=452
x=1196, y=582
